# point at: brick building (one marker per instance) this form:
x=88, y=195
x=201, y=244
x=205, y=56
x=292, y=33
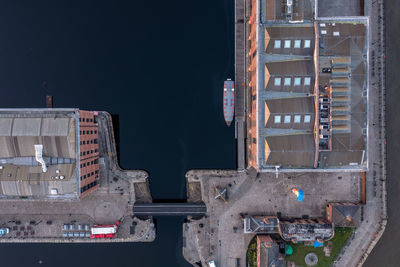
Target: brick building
x=306, y=88
x=48, y=153
x=89, y=152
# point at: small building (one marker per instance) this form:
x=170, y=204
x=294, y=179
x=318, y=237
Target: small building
x=261, y=224
x=306, y=230
x=344, y=214
x=48, y=153
x=268, y=252
x=294, y=230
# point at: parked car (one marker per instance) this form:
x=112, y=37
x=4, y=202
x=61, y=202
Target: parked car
x=4, y=230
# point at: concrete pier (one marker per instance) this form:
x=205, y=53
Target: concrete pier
x=240, y=110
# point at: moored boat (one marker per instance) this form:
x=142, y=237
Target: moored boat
x=229, y=101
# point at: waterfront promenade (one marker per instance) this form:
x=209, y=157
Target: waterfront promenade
x=240, y=81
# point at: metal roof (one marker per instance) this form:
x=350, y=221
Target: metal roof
x=286, y=88
x=307, y=231
x=277, y=10
x=20, y=173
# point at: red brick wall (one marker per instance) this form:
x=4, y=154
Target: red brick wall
x=252, y=152
x=89, y=152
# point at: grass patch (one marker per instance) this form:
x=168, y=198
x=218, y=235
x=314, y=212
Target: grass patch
x=339, y=240
x=252, y=253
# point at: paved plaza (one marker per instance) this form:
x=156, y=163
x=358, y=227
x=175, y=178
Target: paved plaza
x=220, y=235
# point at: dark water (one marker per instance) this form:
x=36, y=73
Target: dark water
x=387, y=251
x=160, y=65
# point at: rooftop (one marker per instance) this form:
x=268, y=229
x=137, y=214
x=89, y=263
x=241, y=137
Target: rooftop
x=345, y=214
x=311, y=92
x=21, y=172
x=261, y=224
x=306, y=230
x=268, y=251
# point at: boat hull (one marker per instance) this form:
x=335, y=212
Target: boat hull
x=229, y=101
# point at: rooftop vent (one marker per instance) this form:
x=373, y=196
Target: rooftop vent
x=39, y=156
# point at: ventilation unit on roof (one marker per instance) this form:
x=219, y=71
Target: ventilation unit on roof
x=289, y=6
x=39, y=156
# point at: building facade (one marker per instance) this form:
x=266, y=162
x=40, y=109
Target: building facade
x=89, y=152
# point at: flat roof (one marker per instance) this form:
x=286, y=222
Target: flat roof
x=20, y=173
x=278, y=10
x=306, y=231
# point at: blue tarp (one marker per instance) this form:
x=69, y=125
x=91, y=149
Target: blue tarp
x=318, y=244
x=300, y=196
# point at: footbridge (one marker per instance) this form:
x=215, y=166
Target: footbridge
x=169, y=209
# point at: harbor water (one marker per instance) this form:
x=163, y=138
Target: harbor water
x=158, y=65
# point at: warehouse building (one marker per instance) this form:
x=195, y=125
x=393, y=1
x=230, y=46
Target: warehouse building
x=306, y=89
x=48, y=153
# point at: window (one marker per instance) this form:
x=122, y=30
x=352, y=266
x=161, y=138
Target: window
x=288, y=81
x=297, y=81
x=87, y=132
x=287, y=44
x=277, y=81
x=323, y=32
x=336, y=33
x=307, y=81
x=95, y=132
x=91, y=132
x=297, y=43
x=307, y=119
x=277, y=119
x=287, y=118
x=277, y=44
x=254, y=141
x=297, y=118
x=307, y=43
